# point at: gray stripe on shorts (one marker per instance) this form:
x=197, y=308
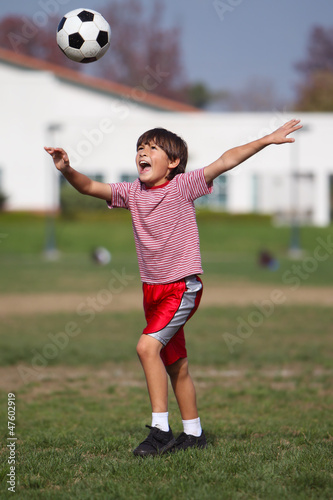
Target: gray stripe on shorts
x=179, y=319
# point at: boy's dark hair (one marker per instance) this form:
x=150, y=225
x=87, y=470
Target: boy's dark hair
x=173, y=145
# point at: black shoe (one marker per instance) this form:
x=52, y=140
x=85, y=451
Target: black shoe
x=185, y=441
x=155, y=442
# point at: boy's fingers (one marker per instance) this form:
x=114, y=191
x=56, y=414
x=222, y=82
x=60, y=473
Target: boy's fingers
x=292, y=123
x=57, y=152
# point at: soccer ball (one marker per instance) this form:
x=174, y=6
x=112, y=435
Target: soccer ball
x=83, y=35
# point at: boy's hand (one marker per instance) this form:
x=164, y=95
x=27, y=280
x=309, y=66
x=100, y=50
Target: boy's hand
x=60, y=158
x=280, y=136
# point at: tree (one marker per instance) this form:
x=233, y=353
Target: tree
x=142, y=48
x=257, y=95
x=143, y=52
x=200, y=96
x=24, y=36
x=315, y=91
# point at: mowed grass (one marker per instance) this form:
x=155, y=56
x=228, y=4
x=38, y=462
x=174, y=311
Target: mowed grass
x=81, y=409
x=230, y=247
x=265, y=396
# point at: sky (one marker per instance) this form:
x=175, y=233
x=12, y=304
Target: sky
x=225, y=43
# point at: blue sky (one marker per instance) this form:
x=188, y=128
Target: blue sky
x=227, y=43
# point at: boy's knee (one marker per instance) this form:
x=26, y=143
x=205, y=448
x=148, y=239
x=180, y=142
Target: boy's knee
x=147, y=347
x=140, y=349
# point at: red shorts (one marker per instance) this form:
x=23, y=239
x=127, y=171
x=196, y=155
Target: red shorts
x=167, y=308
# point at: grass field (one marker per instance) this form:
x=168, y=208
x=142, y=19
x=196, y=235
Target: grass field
x=265, y=396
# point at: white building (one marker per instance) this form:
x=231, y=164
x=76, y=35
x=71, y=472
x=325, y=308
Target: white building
x=98, y=123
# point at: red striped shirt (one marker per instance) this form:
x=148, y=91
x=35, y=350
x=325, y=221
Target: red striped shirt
x=164, y=224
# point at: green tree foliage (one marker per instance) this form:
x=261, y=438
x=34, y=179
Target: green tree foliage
x=198, y=95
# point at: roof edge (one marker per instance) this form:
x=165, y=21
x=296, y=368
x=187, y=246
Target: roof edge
x=136, y=94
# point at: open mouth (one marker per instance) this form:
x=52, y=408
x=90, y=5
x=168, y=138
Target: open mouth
x=144, y=165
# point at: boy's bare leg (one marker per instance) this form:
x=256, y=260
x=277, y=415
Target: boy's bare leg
x=183, y=388
x=148, y=350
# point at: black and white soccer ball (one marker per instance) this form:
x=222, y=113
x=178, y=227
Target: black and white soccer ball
x=83, y=35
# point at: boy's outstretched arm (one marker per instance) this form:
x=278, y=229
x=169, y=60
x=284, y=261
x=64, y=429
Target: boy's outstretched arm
x=235, y=156
x=79, y=181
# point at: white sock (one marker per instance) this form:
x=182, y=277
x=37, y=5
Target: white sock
x=192, y=427
x=160, y=420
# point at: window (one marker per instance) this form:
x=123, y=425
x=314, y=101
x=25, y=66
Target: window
x=331, y=196
x=2, y=194
x=72, y=202
x=94, y=177
x=255, y=192
x=302, y=186
x=128, y=178
x=219, y=197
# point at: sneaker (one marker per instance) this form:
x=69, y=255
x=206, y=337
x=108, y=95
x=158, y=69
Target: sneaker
x=185, y=441
x=154, y=442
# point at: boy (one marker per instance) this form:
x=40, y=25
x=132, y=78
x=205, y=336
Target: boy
x=161, y=202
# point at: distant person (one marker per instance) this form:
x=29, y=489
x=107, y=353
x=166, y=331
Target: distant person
x=161, y=202
x=267, y=260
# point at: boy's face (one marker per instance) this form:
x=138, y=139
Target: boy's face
x=153, y=164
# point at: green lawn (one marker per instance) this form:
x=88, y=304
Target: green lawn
x=265, y=397
x=230, y=248
x=266, y=409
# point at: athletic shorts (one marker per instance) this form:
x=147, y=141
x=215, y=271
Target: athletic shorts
x=167, y=308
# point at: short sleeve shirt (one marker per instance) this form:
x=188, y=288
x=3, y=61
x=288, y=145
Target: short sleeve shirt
x=164, y=224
